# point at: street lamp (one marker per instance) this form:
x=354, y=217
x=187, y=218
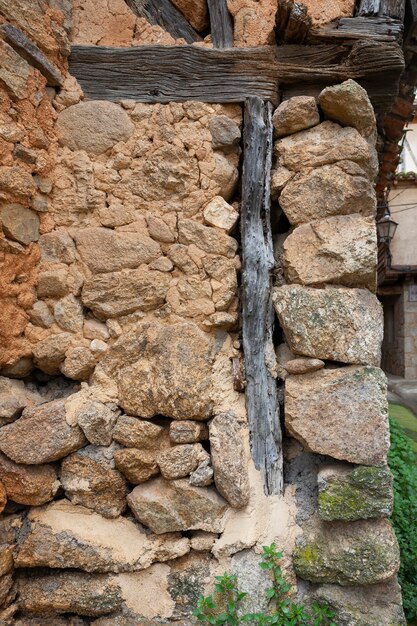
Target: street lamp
x=386, y=227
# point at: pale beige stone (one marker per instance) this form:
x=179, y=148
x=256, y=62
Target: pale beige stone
x=220, y=214
x=40, y=315
x=52, y=283
x=118, y=293
x=160, y=230
x=371, y=604
x=181, y=460
x=349, y=105
x=187, y=431
x=19, y=223
x=79, y=363
x=162, y=370
x=279, y=178
x=94, y=329
x=93, y=126
x=358, y=553
x=303, y=365
x=229, y=460
x=14, y=70
x=203, y=475
x=41, y=435
x=134, y=432
x=59, y=592
x=295, y=114
x=341, y=413
x=225, y=133
x=57, y=247
x=208, y=239
x=339, y=189
x=64, y=535
x=174, y=505
x=137, y=466
x=202, y=541
x=97, y=421
x=3, y=497
x=17, y=182
x=336, y=324
x=340, y=250
x=325, y=144
x=163, y=264
x=68, y=314
x=27, y=484
x=106, y=250
x=226, y=175
x=49, y=353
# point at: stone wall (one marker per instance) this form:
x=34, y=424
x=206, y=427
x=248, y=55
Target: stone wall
x=126, y=481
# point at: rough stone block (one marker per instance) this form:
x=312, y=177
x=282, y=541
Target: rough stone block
x=41, y=435
x=348, y=104
x=28, y=484
x=325, y=144
x=19, y=224
x=93, y=126
x=342, y=413
x=340, y=250
x=174, y=505
x=349, y=494
x=64, y=535
x=373, y=605
x=295, y=114
x=360, y=553
x=338, y=189
x=335, y=324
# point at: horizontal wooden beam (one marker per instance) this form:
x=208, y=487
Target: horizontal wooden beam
x=179, y=73
x=384, y=29
x=175, y=73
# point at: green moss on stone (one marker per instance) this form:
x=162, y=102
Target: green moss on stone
x=363, y=493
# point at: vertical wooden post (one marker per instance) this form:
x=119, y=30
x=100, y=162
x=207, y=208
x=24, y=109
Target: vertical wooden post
x=221, y=24
x=257, y=309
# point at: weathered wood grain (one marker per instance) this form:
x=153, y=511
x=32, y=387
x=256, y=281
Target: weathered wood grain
x=163, y=13
x=179, y=73
x=389, y=8
x=221, y=24
x=347, y=29
x=175, y=73
x=33, y=55
x=292, y=22
x=257, y=309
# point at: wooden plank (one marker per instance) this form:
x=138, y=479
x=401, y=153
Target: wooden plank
x=388, y=8
x=221, y=24
x=175, y=73
x=179, y=73
x=383, y=29
x=163, y=13
x=257, y=309
x=33, y=55
x=293, y=22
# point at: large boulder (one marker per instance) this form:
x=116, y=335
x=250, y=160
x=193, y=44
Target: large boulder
x=119, y=293
x=348, y=104
x=64, y=535
x=162, y=370
x=89, y=478
x=371, y=605
x=68, y=592
x=333, y=324
x=340, y=250
x=175, y=505
x=342, y=413
x=349, y=494
x=41, y=435
x=229, y=460
x=360, y=553
x=324, y=144
x=105, y=250
x=337, y=189
x=28, y=484
x=93, y=126
x=295, y=114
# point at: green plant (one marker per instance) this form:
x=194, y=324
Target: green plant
x=402, y=461
x=282, y=610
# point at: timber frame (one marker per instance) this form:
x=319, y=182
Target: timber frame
x=368, y=48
